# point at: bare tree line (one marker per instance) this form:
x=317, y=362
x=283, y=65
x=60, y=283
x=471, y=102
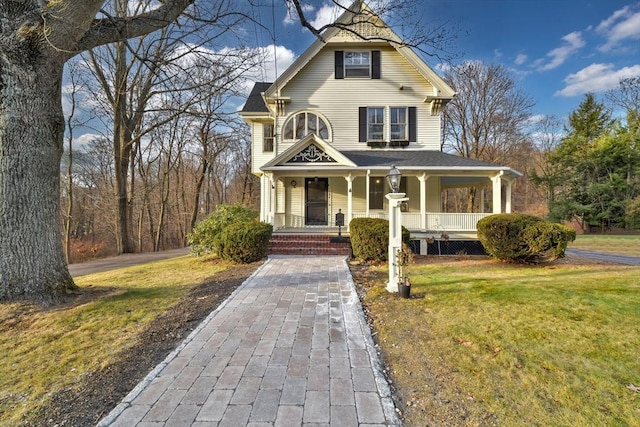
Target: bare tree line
x=171, y=146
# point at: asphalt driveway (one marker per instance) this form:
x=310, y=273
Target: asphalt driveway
x=124, y=260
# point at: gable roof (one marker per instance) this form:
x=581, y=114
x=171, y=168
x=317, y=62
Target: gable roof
x=443, y=90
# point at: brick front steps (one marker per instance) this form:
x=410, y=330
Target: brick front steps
x=308, y=244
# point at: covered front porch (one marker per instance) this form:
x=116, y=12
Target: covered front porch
x=306, y=186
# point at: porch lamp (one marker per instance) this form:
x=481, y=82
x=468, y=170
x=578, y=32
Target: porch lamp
x=393, y=178
x=395, y=199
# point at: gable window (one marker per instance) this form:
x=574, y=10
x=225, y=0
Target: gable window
x=303, y=124
x=357, y=64
x=267, y=137
x=376, y=192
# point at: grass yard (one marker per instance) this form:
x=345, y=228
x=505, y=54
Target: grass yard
x=46, y=350
x=487, y=343
x=623, y=245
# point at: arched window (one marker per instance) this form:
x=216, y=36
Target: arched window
x=302, y=124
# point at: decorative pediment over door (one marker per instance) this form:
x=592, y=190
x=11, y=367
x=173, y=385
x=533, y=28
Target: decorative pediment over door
x=311, y=154
x=310, y=150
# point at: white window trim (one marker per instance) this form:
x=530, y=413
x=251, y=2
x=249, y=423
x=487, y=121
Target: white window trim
x=384, y=124
x=406, y=123
x=345, y=66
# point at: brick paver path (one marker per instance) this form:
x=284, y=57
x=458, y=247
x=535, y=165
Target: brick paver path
x=289, y=348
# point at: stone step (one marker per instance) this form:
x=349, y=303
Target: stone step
x=301, y=244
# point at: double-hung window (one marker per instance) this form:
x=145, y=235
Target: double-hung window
x=267, y=137
x=398, y=124
x=357, y=64
x=363, y=64
x=375, y=124
x=393, y=125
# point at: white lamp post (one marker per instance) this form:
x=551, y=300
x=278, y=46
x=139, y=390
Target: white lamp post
x=395, y=225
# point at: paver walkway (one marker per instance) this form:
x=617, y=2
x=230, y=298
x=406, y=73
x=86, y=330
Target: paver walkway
x=290, y=347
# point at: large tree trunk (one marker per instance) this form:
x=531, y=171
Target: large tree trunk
x=32, y=264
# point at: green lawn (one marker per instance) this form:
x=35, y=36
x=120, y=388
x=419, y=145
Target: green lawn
x=489, y=343
x=45, y=350
x=623, y=245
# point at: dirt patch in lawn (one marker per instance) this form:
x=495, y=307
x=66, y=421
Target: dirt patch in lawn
x=100, y=391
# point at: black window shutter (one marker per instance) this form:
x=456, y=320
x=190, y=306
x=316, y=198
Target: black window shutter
x=375, y=64
x=339, y=64
x=413, y=128
x=362, y=124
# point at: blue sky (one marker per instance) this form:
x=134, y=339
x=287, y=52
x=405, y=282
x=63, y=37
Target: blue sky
x=557, y=50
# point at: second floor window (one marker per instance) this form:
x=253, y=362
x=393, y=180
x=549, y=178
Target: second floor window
x=375, y=124
x=303, y=124
x=267, y=138
x=381, y=125
x=398, y=124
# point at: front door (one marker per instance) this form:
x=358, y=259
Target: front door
x=316, y=206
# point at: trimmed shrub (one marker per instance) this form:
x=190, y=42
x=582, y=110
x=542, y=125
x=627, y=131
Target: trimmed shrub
x=370, y=238
x=523, y=238
x=203, y=238
x=244, y=241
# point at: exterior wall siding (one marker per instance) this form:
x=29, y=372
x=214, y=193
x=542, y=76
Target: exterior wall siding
x=315, y=88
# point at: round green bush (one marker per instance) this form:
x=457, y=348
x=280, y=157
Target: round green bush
x=244, y=241
x=370, y=238
x=523, y=238
x=203, y=238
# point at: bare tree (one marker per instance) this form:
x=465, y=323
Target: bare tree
x=547, y=135
x=487, y=119
x=36, y=39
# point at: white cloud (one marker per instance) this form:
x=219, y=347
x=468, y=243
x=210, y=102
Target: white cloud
x=292, y=17
x=596, y=78
x=83, y=140
x=520, y=59
x=572, y=43
x=276, y=59
x=623, y=24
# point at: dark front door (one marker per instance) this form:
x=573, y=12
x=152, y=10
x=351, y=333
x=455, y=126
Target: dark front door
x=316, y=190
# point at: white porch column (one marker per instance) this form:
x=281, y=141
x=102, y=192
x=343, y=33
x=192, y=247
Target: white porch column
x=272, y=199
x=423, y=201
x=262, y=198
x=349, y=179
x=367, y=194
x=507, y=207
x=497, y=193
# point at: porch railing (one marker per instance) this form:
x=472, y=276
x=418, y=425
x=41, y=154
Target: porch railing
x=437, y=221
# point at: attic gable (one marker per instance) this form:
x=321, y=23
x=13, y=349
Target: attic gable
x=359, y=24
